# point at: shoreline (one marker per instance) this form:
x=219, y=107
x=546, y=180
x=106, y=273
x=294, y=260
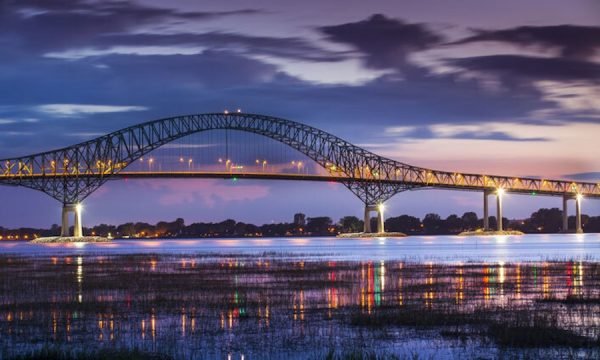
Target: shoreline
x=69, y=239
x=370, y=235
x=490, y=233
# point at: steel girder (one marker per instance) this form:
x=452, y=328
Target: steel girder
x=65, y=172
x=73, y=173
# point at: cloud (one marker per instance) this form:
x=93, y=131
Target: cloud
x=572, y=41
x=525, y=68
x=71, y=110
x=486, y=131
x=585, y=176
x=280, y=47
x=385, y=42
x=41, y=26
x=498, y=131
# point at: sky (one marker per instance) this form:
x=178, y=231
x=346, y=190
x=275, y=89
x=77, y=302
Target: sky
x=508, y=87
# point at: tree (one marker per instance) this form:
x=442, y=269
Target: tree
x=469, y=221
x=453, y=224
x=318, y=225
x=351, y=224
x=404, y=223
x=546, y=220
x=432, y=223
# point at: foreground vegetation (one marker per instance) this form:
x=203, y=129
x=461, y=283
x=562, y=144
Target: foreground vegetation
x=199, y=306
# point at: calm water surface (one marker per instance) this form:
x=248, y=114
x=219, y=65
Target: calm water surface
x=438, y=248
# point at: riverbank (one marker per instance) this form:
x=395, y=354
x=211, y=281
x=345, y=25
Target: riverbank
x=371, y=235
x=490, y=233
x=70, y=239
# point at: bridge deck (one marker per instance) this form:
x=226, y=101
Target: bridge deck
x=433, y=184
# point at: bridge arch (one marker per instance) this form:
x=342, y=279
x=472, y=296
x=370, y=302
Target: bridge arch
x=371, y=177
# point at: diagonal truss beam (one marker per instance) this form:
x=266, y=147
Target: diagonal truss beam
x=71, y=174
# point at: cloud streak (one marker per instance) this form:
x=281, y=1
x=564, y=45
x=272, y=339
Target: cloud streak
x=74, y=110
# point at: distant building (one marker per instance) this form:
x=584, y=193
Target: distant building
x=299, y=219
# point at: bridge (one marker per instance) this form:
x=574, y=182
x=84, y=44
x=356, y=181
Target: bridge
x=72, y=173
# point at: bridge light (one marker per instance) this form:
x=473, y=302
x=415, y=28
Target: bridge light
x=381, y=207
x=220, y=160
x=257, y=161
x=226, y=112
x=579, y=197
x=78, y=208
x=239, y=110
x=500, y=191
x=180, y=159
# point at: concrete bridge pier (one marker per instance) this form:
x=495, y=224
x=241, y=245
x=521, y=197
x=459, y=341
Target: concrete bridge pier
x=499, y=194
x=77, y=228
x=380, y=218
x=578, y=226
x=565, y=213
x=486, y=216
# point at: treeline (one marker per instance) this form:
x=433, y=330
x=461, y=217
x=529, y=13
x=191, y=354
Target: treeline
x=541, y=221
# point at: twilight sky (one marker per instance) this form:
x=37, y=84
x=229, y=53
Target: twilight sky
x=508, y=87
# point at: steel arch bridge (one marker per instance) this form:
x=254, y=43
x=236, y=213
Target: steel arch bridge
x=71, y=174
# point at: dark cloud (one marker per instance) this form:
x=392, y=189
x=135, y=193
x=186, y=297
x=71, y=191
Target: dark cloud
x=426, y=133
x=385, y=42
x=526, y=68
x=579, y=42
x=216, y=80
x=586, y=176
x=40, y=26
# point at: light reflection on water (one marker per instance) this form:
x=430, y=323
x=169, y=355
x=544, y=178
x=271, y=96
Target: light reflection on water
x=183, y=305
x=192, y=298
x=439, y=248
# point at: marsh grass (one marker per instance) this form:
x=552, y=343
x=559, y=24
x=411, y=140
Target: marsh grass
x=53, y=353
x=197, y=306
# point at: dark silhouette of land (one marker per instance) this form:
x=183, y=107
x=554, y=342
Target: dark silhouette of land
x=541, y=221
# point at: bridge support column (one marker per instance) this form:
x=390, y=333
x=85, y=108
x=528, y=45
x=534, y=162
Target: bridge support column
x=499, y=194
x=367, y=219
x=578, y=227
x=486, y=215
x=77, y=228
x=565, y=214
x=380, y=218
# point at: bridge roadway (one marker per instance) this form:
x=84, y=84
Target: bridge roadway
x=433, y=183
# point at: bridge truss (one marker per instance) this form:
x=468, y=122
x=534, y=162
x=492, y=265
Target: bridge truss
x=71, y=174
